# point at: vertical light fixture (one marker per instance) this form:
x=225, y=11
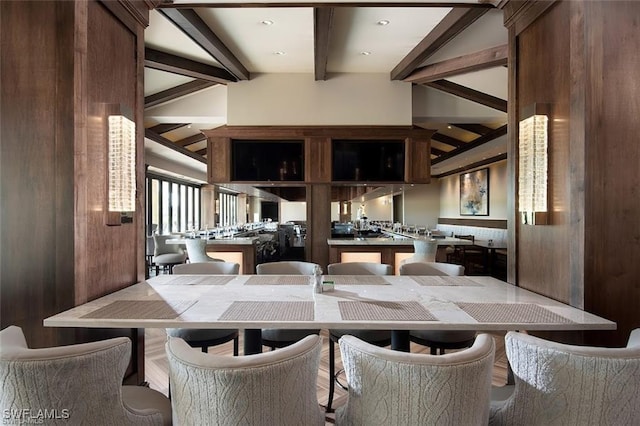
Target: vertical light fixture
x=121, y=168
x=533, y=163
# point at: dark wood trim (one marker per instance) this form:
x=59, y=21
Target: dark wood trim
x=500, y=131
x=520, y=14
x=484, y=223
x=322, y=24
x=453, y=24
x=218, y=5
x=437, y=152
x=469, y=94
x=488, y=58
x=478, y=129
x=162, y=61
x=166, y=127
x=177, y=92
x=199, y=137
x=195, y=28
x=202, y=152
x=448, y=140
x=166, y=142
x=132, y=14
x=475, y=165
x=301, y=132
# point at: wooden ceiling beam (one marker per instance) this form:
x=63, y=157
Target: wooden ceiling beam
x=478, y=129
x=469, y=94
x=438, y=152
x=191, y=140
x=190, y=23
x=500, y=131
x=162, y=61
x=322, y=24
x=456, y=143
x=450, y=26
x=176, y=92
x=222, y=5
x=488, y=58
x=471, y=166
x=202, y=152
x=166, y=127
x=151, y=135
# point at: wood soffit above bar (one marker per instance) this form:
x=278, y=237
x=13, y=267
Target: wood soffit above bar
x=296, y=132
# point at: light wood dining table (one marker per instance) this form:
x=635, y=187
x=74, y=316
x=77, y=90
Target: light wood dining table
x=397, y=303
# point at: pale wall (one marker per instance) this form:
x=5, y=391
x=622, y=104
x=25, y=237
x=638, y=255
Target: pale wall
x=293, y=210
x=297, y=99
x=422, y=205
x=450, y=194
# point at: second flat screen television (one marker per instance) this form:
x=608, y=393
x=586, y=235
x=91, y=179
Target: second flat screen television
x=366, y=160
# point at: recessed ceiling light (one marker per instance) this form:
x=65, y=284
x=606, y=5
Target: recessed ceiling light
x=267, y=22
x=448, y=127
x=279, y=53
x=383, y=22
x=365, y=53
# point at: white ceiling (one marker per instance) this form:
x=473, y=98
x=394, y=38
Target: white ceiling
x=355, y=30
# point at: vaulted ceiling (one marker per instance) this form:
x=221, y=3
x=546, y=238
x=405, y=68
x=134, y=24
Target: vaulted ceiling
x=453, y=53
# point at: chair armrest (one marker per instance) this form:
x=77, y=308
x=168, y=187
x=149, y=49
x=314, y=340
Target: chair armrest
x=634, y=339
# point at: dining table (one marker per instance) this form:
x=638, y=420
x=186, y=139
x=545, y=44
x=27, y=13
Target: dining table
x=397, y=303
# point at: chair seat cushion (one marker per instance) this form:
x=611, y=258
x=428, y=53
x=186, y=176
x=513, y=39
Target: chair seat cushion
x=444, y=336
x=369, y=336
x=200, y=334
x=145, y=400
x=169, y=258
x=286, y=335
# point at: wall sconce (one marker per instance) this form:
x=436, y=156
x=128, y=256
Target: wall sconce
x=121, y=167
x=533, y=165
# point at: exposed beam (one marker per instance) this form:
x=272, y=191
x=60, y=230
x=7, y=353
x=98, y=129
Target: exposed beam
x=195, y=28
x=480, y=163
x=223, y=5
x=202, y=152
x=175, y=64
x=500, y=131
x=478, y=129
x=322, y=23
x=456, y=143
x=166, y=142
x=469, y=94
x=488, y=58
x=199, y=137
x=436, y=151
x=176, y=92
x=166, y=127
x=452, y=24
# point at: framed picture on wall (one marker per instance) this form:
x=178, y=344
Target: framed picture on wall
x=474, y=193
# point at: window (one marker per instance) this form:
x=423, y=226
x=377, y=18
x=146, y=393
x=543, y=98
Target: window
x=172, y=205
x=228, y=213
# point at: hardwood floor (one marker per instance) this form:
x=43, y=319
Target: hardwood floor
x=156, y=364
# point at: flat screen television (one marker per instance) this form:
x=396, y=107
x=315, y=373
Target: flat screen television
x=264, y=161
x=368, y=160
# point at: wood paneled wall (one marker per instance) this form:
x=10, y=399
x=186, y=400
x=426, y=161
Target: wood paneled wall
x=61, y=63
x=570, y=54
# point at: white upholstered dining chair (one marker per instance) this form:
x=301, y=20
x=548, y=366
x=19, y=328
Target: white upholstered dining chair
x=375, y=337
x=281, y=337
x=208, y=268
x=560, y=384
x=166, y=255
x=203, y=338
x=438, y=340
x=81, y=384
x=273, y=388
x=388, y=387
x=197, y=251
